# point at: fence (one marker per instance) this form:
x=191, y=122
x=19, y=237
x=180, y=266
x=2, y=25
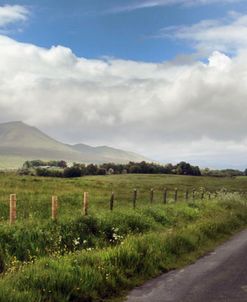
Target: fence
x=174, y=194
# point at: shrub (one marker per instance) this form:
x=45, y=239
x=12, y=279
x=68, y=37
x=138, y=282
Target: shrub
x=73, y=171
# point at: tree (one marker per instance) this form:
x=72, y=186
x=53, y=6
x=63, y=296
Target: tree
x=73, y=171
x=134, y=169
x=101, y=171
x=91, y=169
x=62, y=164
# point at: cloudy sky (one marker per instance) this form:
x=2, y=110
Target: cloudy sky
x=165, y=78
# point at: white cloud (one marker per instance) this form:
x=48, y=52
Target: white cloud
x=141, y=4
x=10, y=14
x=227, y=35
x=167, y=111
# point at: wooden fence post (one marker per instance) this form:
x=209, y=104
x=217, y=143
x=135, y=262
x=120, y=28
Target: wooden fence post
x=202, y=195
x=176, y=195
x=85, y=203
x=165, y=196
x=134, y=198
x=54, y=207
x=193, y=193
x=12, y=208
x=151, y=195
x=112, y=201
x=187, y=195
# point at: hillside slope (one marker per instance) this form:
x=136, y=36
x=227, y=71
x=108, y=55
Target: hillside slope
x=108, y=154
x=20, y=142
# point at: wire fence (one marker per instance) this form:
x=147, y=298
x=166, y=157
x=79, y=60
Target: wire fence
x=166, y=196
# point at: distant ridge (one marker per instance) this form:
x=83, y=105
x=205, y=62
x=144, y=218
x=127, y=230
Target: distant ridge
x=108, y=154
x=20, y=142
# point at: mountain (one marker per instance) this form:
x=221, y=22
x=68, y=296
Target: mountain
x=106, y=154
x=20, y=142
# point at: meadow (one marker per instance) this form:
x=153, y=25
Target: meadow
x=99, y=256
x=34, y=193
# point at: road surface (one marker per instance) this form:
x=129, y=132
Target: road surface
x=219, y=276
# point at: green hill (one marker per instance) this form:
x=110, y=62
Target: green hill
x=107, y=154
x=20, y=142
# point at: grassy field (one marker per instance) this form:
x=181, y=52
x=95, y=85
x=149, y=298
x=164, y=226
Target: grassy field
x=97, y=257
x=34, y=193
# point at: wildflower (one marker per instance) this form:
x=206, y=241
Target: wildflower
x=76, y=241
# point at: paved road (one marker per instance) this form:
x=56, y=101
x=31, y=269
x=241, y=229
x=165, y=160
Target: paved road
x=219, y=276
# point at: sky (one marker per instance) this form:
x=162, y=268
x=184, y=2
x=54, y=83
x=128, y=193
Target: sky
x=164, y=78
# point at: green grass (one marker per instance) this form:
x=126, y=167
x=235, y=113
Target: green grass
x=101, y=273
x=34, y=194
x=98, y=257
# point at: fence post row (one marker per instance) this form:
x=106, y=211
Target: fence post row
x=12, y=208
x=54, y=207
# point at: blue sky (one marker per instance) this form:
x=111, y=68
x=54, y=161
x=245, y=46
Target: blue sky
x=97, y=28
x=164, y=78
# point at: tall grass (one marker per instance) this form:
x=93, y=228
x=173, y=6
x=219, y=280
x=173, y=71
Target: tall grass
x=26, y=241
x=130, y=247
x=94, y=258
x=34, y=193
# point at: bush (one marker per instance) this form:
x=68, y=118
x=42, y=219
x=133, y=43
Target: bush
x=49, y=172
x=73, y=171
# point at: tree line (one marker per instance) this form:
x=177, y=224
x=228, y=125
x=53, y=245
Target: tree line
x=223, y=172
x=62, y=169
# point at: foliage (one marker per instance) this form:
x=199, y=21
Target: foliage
x=92, y=258
x=95, y=274
x=41, y=163
x=50, y=172
x=41, y=168
x=222, y=173
x=73, y=171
